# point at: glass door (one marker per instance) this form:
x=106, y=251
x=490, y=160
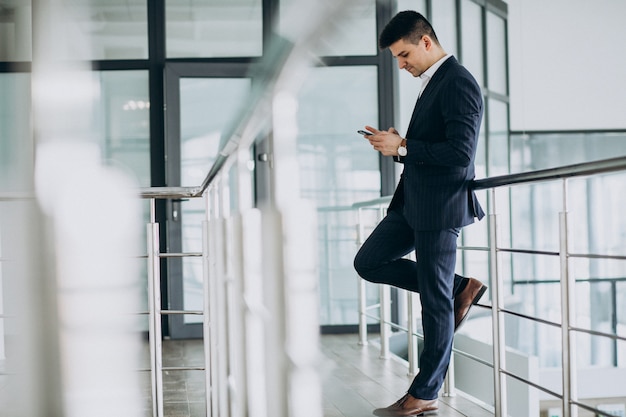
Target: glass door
x=202, y=101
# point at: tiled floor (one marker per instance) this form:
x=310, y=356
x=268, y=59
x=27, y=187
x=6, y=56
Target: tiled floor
x=183, y=391
x=355, y=381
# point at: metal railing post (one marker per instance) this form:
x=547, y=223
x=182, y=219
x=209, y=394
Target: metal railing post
x=362, y=312
x=412, y=342
x=385, y=318
x=206, y=318
x=497, y=301
x=361, y=284
x=212, y=346
x=449, y=389
x=221, y=319
x=154, y=302
x=568, y=357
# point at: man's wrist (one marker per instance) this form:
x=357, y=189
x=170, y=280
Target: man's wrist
x=402, y=151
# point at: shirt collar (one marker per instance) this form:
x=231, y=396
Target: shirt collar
x=428, y=74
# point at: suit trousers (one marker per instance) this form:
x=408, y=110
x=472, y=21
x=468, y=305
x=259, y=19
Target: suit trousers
x=380, y=260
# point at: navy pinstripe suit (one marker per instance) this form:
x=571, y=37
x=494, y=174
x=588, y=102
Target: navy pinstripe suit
x=432, y=201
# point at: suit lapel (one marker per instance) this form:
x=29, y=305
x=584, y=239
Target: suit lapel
x=425, y=98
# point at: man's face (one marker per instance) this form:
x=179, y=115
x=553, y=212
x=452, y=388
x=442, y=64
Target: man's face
x=410, y=56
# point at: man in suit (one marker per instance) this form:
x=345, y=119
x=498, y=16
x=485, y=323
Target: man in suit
x=432, y=201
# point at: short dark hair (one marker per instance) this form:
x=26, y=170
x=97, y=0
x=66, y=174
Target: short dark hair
x=408, y=25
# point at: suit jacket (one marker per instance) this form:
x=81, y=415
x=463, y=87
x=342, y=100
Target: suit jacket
x=434, y=190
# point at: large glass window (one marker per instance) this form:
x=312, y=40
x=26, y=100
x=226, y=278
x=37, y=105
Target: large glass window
x=338, y=168
x=214, y=28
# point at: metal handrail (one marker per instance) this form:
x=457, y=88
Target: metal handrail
x=170, y=192
x=568, y=171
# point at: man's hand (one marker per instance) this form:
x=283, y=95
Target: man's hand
x=385, y=142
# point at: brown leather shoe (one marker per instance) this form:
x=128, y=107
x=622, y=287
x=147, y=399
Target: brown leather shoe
x=466, y=299
x=408, y=406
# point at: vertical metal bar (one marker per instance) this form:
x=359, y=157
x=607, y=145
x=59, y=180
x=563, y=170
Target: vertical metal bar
x=206, y=318
x=235, y=312
x=614, y=321
x=385, y=315
x=385, y=309
x=219, y=319
x=449, y=389
x=568, y=357
x=154, y=303
x=212, y=347
x=412, y=342
x=362, y=312
x=361, y=284
x=497, y=302
x=220, y=300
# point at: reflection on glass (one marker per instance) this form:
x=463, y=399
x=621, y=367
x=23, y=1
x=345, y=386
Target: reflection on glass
x=549, y=150
x=408, y=86
x=417, y=5
x=16, y=152
x=596, y=212
x=496, y=53
x=207, y=107
x=111, y=29
x=338, y=168
x=16, y=31
x=471, y=39
x=123, y=122
x=353, y=32
x=498, y=125
x=444, y=22
x=214, y=28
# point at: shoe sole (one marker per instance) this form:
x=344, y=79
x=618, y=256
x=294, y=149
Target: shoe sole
x=425, y=413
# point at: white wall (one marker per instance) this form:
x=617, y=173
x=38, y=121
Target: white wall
x=567, y=63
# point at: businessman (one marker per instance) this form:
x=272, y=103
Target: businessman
x=432, y=202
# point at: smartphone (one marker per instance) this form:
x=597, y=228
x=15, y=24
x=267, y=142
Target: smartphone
x=364, y=132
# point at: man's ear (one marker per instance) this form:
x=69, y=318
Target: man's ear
x=428, y=43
